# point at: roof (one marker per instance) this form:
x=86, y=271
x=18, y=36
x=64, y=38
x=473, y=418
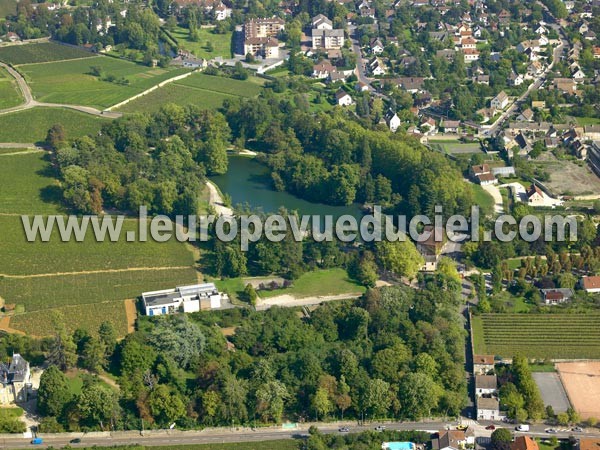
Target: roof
x=592, y=282
x=341, y=94
x=481, y=168
x=534, y=189
x=488, y=403
x=451, y=438
x=501, y=96
x=483, y=359
x=486, y=177
x=524, y=443
x=16, y=371
x=486, y=382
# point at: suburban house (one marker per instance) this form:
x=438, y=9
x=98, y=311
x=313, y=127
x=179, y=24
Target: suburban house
x=392, y=120
x=525, y=116
x=500, y=101
x=535, y=196
x=488, y=409
x=376, y=67
x=321, y=22
x=327, y=39
x=342, y=98
x=431, y=247
x=524, y=443
x=449, y=440
x=483, y=175
x=486, y=385
x=483, y=364
x=556, y=296
x=188, y=299
x=16, y=380
x=450, y=126
x=487, y=179
x=376, y=46
x=591, y=284
x=260, y=37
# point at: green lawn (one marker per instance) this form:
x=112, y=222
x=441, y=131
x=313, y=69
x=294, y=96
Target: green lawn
x=198, y=89
x=9, y=92
x=17, y=126
x=40, y=52
x=221, y=42
x=25, y=187
x=587, y=120
x=71, y=82
x=7, y=7
x=456, y=147
x=318, y=283
x=477, y=335
x=483, y=199
x=542, y=367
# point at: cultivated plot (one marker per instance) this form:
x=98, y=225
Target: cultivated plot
x=582, y=383
x=40, y=52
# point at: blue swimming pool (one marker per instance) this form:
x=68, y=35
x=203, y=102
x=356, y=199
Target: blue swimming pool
x=398, y=446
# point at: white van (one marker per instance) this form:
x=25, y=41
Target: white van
x=522, y=427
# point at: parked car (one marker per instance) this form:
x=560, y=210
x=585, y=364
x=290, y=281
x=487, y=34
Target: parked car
x=550, y=430
x=490, y=427
x=37, y=441
x=522, y=427
x=344, y=430
x=75, y=441
x=577, y=429
x=380, y=428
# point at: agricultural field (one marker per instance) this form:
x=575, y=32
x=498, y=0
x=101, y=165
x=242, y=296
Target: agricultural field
x=40, y=53
x=221, y=43
x=17, y=126
x=87, y=281
x=205, y=91
x=568, y=177
x=553, y=336
x=9, y=92
x=72, y=82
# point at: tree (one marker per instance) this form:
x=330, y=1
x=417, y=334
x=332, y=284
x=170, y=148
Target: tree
x=62, y=350
x=98, y=404
x=94, y=355
x=501, y=439
x=166, y=405
x=419, y=395
x=562, y=418
x=378, y=398
x=400, y=257
x=56, y=137
x=179, y=337
x=54, y=392
x=321, y=403
x=250, y=294
x=574, y=416
x=108, y=337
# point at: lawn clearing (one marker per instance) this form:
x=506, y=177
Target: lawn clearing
x=582, y=121
x=456, y=147
x=32, y=125
x=71, y=82
x=26, y=185
x=221, y=42
x=198, y=89
x=552, y=336
x=483, y=199
x=40, y=52
x=318, y=283
x=9, y=92
x=580, y=380
x=7, y=8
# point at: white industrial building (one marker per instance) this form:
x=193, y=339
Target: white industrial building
x=185, y=299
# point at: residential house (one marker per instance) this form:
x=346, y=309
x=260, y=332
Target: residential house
x=321, y=22
x=591, y=132
x=450, y=126
x=500, y=101
x=515, y=79
x=327, y=39
x=470, y=54
x=376, y=67
x=222, y=12
x=449, y=440
x=486, y=385
x=481, y=79
x=431, y=246
x=525, y=116
x=411, y=85
x=323, y=70
x=15, y=379
x=538, y=104
x=488, y=409
x=480, y=169
x=342, y=98
x=362, y=87
x=535, y=196
x=590, y=284
x=260, y=36
x=541, y=29
x=483, y=364
x=535, y=69
x=524, y=443
x=186, y=59
x=556, y=296
x=392, y=120
x=487, y=179
x=376, y=46
x=188, y=299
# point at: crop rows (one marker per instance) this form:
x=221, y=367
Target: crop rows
x=558, y=336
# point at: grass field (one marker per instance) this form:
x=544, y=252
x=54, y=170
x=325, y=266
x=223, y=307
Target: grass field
x=317, y=283
x=33, y=191
x=453, y=148
x=198, y=89
x=556, y=336
x=9, y=92
x=483, y=199
x=587, y=120
x=221, y=42
x=17, y=126
x=7, y=7
x=40, y=52
x=70, y=82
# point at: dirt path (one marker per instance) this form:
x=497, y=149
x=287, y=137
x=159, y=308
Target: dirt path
x=290, y=301
x=88, y=272
x=131, y=314
x=5, y=326
x=216, y=201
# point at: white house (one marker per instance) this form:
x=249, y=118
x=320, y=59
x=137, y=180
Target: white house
x=321, y=22
x=486, y=385
x=590, y=284
x=393, y=121
x=500, y=101
x=488, y=409
x=15, y=380
x=483, y=364
x=188, y=299
x=342, y=98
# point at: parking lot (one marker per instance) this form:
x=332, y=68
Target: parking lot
x=552, y=390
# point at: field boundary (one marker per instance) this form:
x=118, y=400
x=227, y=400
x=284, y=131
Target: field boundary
x=91, y=272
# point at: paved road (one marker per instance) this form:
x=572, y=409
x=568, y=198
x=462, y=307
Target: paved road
x=360, y=61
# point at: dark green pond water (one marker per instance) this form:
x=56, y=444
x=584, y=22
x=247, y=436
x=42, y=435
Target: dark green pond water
x=247, y=181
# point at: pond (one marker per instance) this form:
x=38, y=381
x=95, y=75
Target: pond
x=248, y=181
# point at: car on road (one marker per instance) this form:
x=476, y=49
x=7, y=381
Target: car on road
x=577, y=429
x=380, y=428
x=550, y=430
x=522, y=427
x=462, y=427
x=37, y=441
x=75, y=441
x=344, y=430
x=490, y=427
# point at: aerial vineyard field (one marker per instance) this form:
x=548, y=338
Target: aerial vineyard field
x=557, y=336
x=41, y=52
